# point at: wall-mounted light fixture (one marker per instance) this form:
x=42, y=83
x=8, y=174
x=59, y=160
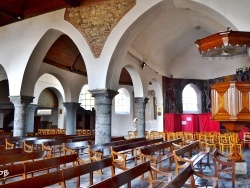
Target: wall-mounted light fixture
x=143, y=65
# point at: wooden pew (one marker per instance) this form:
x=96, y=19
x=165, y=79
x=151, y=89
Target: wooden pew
x=38, y=181
x=156, y=153
x=11, y=163
x=90, y=168
x=11, y=151
x=188, y=173
x=127, y=176
x=60, y=176
x=82, y=138
x=76, y=147
x=56, y=146
x=221, y=165
x=46, y=164
x=17, y=142
x=34, y=145
x=9, y=159
x=184, y=155
x=11, y=142
x=100, y=151
x=122, y=153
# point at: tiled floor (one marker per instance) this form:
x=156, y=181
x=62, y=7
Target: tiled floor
x=242, y=181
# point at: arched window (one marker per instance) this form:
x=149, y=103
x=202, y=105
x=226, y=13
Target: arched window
x=191, y=99
x=122, y=102
x=87, y=102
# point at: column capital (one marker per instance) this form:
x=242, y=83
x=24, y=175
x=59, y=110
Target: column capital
x=21, y=100
x=141, y=101
x=103, y=92
x=32, y=107
x=71, y=105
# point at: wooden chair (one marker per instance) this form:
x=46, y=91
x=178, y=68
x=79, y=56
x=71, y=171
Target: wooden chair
x=246, y=138
x=202, y=140
x=179, y=135
x=84, y=132
x=171, y=136
x=88, y=132
x=188, y=137
x=162, y=135
x=221, y=165
x=130, y=134
x=224, y=143
x=210, y=142
x=79, y=131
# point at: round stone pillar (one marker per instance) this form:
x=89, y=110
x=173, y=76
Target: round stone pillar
x=30, y=117
x=71, y=108
x=20, y=118
x=141, y=106
x=103, y=102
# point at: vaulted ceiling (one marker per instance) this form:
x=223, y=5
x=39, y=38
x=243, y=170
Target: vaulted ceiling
x=63, y=53
x=166, y=43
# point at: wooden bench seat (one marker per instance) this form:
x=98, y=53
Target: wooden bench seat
x=188, y=174
x=47, y=164
x=17, y=142
x=11, y=163
x=127, y=176
x=100, y=151
x=34, y=145
x=62, y=175
x=38, y=181
x=56, y=146
x=11, y=151
x=185, y=155
x=80, y=147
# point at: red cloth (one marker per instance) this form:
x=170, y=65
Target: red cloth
x=172, y=122
x=190, y=122
x=241, y=133
x=208, y=125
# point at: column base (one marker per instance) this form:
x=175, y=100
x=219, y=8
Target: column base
x=241, y=167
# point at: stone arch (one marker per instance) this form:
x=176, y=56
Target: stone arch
x=59, y=92
x=4, y=85
x=35, y=68
x=139, y=21
x=35, y=60
x=56, y=87
x=137, y=82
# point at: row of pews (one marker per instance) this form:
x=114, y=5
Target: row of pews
x=62, y=158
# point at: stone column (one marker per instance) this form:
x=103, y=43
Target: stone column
x=20, y=119
x=141, y=105
x=103, y=102
x=30, y=117
x=71, y=108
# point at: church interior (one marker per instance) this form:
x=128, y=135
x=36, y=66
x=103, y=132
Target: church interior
x=155, y=85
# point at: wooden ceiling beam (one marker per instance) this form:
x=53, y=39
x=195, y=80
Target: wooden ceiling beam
x=73, y=3
x=10, y=15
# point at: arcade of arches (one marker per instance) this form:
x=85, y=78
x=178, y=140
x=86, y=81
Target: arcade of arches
x=47, y=60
